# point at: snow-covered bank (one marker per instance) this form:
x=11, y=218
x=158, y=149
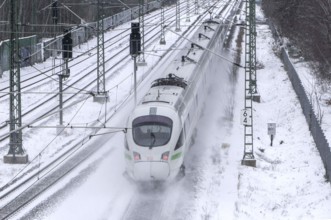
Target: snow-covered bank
x=288, y=181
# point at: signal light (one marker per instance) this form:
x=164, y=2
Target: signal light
x=165, y=156
x=67, y=45
x=135, y=39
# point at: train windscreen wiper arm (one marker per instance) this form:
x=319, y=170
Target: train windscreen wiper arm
x=153, y=140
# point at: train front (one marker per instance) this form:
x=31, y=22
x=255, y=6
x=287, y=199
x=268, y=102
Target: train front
x=150, y=144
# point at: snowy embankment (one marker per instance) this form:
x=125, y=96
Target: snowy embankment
x=43, y=144
x=317, y=89
x=288, y=181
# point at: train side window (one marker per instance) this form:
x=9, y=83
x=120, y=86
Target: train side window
x=180, y=141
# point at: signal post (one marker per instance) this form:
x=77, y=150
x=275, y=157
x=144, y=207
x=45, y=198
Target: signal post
x=66, y=55
x=135, y=51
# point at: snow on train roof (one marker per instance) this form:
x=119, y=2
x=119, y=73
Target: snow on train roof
x=163, y=94
x=179, y=74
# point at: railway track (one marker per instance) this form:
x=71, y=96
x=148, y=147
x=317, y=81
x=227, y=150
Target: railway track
x=85, y=87
x=108, y=43
x=24, y=194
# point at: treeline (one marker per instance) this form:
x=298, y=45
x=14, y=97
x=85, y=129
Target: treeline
x=307, y=23
x=36, y=18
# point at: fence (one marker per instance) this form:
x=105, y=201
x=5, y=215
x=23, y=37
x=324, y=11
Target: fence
x=27, y=48
x=32, y=52
x=308, y=111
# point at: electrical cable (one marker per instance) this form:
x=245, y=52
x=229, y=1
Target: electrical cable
x=3, y=3
x=39, y=155
x=124, y=100
x=43, y=150
x=216, y=54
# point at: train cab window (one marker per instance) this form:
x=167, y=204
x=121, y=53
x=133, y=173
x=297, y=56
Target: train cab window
x=151, y=130
x=180, y=141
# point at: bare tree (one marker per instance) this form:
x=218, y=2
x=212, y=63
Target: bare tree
x=308, y=24
x=35, y=16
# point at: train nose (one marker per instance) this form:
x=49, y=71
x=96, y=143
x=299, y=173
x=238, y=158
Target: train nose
x=148, y=171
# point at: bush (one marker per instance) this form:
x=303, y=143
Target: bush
x=307, y=24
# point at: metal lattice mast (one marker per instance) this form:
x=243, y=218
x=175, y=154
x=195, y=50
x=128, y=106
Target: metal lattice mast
x=162, y=39
x=253, y=46
x=34, y=15
x=187, y=10
x=15, y=141
x=196, y=6
x=141, y=58
x=101, y=87
x=250, y=81
x=55, y=20
x=177, y=15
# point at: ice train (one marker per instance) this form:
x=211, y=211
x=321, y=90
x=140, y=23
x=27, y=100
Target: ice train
x=164, y=121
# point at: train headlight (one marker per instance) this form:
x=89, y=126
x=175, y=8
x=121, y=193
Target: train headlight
x=165, y=156
x=136, y=156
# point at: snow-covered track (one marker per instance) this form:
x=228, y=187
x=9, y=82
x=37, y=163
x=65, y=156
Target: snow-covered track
x=85, y=82
x=46, y=181
x=27, y=82
x=24, y=196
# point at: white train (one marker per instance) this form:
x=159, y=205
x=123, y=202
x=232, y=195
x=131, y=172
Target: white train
x=164, y=121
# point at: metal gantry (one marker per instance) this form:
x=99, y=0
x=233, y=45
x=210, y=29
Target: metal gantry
x=101, y=79
x=250, y=6
x=162, y=38
x=250, y=82
x=141, y=57
x=54, y=8
x=187, y=10
x=177, y=15
x=16, y=152
x=196, y=6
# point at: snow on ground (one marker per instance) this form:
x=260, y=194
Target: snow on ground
x=288, y=182
x=317, y=90
x=42, y=144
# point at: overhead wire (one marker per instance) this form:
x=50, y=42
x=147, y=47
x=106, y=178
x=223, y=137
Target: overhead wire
x=43, y=150
x=39, y=154
x=75, y=150
x=88, y=92
x=216, y=54
x=74, y=117
x=84, y=53
x=3, y=3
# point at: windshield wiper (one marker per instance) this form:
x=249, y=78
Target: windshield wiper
x=153, y=140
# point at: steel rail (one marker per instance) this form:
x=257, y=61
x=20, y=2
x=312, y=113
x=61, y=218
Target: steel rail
x=86, y=52
x=43, y=184
x=74, y=83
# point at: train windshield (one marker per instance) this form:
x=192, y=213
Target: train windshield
x=151, y=130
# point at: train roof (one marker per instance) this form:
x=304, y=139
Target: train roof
x=167, y=94
x=180, y=75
